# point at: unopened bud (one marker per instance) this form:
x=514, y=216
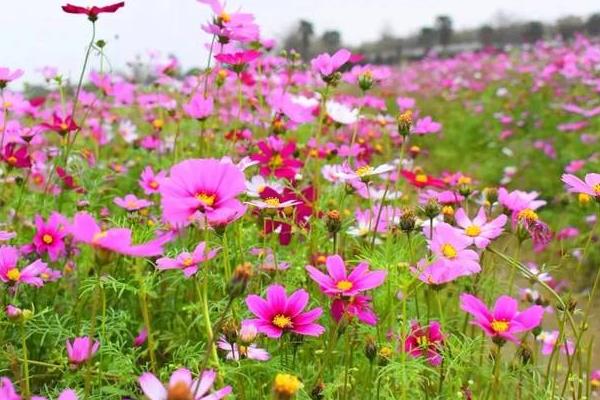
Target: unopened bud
x=239, y=280
x=405, y=121
x=333, y=221
x=432, y=208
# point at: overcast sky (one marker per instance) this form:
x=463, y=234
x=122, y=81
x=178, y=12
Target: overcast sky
x=34, y=33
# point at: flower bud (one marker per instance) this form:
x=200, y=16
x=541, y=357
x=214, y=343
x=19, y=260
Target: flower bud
x=432, y=208
x=490, y=194
x=370, y=348
x=317, y=392
x=405, y=121
x=248, y=333
x=408, y=220
x=286, y=386
x=239, y=280
x=365, y=80
x=333, y=221
x=230, y=330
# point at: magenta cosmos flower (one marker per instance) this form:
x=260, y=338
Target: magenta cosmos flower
x=231, y=26
x=92, y=12
x=276, y=158
x=10, y=273
x=237, y=61
x=425, y=341
x=49, y=236
x=131, y=203
x=325, y=64
x=591, y=185
x=149, y=181
x=233, y=351
x=187, y=262
x=505, y=320
x=358, y=306
x=85, y=229
x=339, y=283
x=7, y=390
x=182, y=386
x=452, y=260
x=279, y=313
x=199, y=107
x=81, y=349
x=478, y=229
x=202, y=189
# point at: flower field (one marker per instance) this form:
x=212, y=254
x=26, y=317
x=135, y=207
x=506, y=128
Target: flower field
x=266, y=228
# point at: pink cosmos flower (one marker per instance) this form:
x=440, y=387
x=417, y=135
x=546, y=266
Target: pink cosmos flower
x=518, y=200
x=199, y=107
x=238, y=60
x=6, y=236
x=141, y=338
x=150, y=182
x=426, y=125
x=186, y=262
x=81, y=349
x=10, y=273
x=85, y=229
x=231, y=26
x=452, y=258
x=131, y=203
x=202, y=189
x=505, y=320
x=478, y=229
x=182, y=386
x=591, y=185
x=7, y=390
x=279, y=313
x=339, y=283
x=236, y=352
x=425, y=342
x=325, y=64
x=49, y=236
x=358, y=306
x=6, y=75
x=550, y=341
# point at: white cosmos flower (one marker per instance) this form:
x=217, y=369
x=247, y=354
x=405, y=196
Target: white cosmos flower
x=258, y=183
x=341, y=113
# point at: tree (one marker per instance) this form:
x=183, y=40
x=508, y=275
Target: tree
x=306, y=31
x=443, y=25
x=486, y=36
x=592, y=25
x=332, y=40
x=533, y=32
x=569, y=26
x=426, y=38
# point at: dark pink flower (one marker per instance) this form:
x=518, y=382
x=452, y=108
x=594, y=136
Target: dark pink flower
x=49, y=236
x=425, y=342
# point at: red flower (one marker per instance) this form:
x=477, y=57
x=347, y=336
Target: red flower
x=60, y=125
x=68, y=181
x=421, y=180
x=277, y=157
x=298, y=214
x=92, y=12
x=16, y=157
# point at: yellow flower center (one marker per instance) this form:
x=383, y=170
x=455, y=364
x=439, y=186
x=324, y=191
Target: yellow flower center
x=7, y=104
x=464, y=180
x=158, y=123
x=188, y=261
x=153, y=185
x=364, y=170
x=423, y=341
x=131, y=204
x=449, y=251
x=281, y=321
x=272, y=201
x=385, y=352
x=64, y=126
x=13, y=274
x=287, y=385
x=48, y=239
x=473, y=230
x=98, y=236
x=179, y=391
x=584, y=198
x=344, y=285
x=12, y=160
x=224, y=16
x=596, y=189
x=207, y=199
x=421, y=178
x=528, y=214
x=276, y=161
x=448, y=211
x=500, y=326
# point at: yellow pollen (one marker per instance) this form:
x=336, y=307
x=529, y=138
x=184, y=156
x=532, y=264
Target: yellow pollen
x=188, y=261
x=423, y=341
x=596, y=189
x=276, y=161
x=405, y=117
x=272, y=201
x=158, y=123
x=13, y=274
x=222, y=73
x=48, y=239
x=286, y=385
x=153, y=185
x=528, y=214
x=225, y=17
x=473, y=230
x=12, y=160
x=64, y=126
x=281, y=321
x=464, y=180
x=98, y=236
x=421, y=178
x=207, y=199
x=180, y=391
x=364, y=170
x=131, y=204
x=584, y=198
x=344, y=285
x=7, y=104
x=500, y=326
x=448, y=210
x=449, y=251
x=386, y=352
x=45, y=276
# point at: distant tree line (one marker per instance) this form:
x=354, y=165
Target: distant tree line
x=442, y=38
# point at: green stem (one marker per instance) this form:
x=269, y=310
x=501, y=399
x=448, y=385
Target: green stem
x=25, y=381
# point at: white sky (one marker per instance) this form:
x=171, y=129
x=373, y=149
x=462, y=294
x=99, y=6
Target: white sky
x=34, y=33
